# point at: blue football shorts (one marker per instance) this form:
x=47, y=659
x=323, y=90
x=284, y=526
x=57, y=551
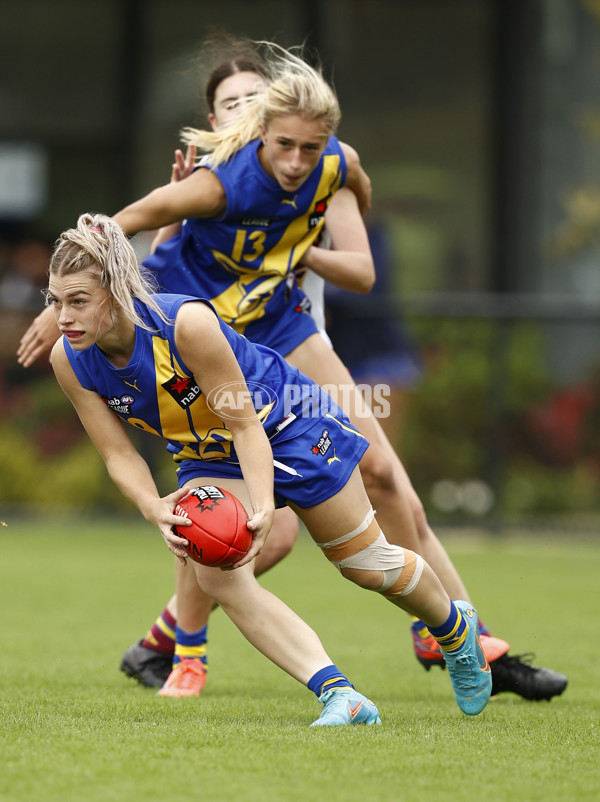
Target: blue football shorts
x=286, y=328
x=310, y=467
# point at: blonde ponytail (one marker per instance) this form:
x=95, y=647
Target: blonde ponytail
x=100, y=245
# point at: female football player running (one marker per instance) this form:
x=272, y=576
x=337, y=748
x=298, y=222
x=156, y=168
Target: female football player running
x=161, y=363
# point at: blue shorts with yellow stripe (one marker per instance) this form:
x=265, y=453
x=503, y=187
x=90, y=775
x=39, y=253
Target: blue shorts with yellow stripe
x=312, y=463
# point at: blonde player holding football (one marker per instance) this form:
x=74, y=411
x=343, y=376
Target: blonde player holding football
x=118, y=334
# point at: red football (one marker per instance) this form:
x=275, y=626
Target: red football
x=218, y=534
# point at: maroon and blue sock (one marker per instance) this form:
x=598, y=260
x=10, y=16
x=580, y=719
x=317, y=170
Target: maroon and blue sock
x=161, y=636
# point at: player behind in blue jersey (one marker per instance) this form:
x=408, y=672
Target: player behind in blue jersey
x=126, y=353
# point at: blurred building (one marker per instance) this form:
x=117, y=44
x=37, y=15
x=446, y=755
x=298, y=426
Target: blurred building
x=477, y=120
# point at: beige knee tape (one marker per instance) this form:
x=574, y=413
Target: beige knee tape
x=370, y=551
x=409, y=577
x=351, y=544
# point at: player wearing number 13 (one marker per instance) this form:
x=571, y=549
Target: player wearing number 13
x=243, y=262
x=255, y=206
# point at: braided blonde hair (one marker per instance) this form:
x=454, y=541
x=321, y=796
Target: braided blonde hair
x=100, y=245
x=293, y=87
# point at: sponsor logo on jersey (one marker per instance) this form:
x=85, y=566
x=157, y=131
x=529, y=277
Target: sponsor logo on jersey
x=318, y=214
x=183, y=389
x=324, y=444
x=120, y=404
x=303, y=306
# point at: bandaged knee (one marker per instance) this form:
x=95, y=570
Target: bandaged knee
x=370, y=551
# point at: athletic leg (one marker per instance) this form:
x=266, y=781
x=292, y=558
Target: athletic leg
x=387, y=482
x=285, y=639
x=314, y=358
x=150, y=660
x=399, y=509
x=346, y=530
x=280, y=542
x=278, y=633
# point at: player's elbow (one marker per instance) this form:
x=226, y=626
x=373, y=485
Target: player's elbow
x=366, y=277
x=366, y=195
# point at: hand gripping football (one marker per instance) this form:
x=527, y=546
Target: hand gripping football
x=218, y=535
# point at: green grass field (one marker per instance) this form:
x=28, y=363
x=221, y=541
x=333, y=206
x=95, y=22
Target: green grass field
x=75, y=595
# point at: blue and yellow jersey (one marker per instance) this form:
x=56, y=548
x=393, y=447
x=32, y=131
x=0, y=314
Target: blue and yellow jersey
x=156, y=391
x=243, y=262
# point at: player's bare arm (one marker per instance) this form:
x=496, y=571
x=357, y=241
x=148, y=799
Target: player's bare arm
x=201, y=194
x=124, y=464
x=180, y=169
x=356, y=178
x=215, y=365
x=348, y=264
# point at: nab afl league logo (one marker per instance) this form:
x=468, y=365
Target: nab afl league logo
x=121, y=405
x=324, y=444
